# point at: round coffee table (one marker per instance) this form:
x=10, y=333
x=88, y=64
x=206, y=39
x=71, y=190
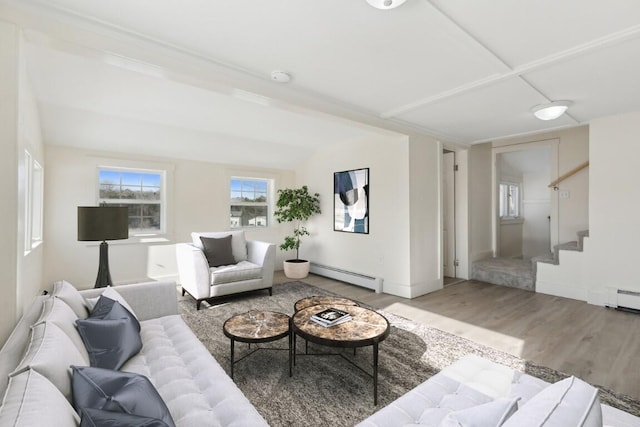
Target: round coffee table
x=367, y=328
x=257, y=327
x=322, y=299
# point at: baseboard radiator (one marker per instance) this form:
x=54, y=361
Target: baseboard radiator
x=623, y=299
x=365, y=281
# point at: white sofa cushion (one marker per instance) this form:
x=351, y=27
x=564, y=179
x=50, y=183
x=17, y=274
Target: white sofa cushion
x=70, y=295
x=567, y=403
x=31, y=400
x=428, y=403
x=492, y=414
x=50, y=353
x=58, y=312
x=238, y=242
x=482, y=375
x=194, y=386
x=244, y=270
x=525, y=387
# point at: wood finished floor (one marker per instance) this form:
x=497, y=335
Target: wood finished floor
x=597, y=344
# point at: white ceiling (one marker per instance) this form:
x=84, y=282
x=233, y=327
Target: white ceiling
x=188, y=77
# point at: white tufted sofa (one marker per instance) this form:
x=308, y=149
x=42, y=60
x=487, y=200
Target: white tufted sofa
x=467, y=393
x=194, y=386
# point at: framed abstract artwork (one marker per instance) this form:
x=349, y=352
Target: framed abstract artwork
x=351, y=201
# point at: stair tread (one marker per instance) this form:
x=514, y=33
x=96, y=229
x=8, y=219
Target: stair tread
x=568, y=246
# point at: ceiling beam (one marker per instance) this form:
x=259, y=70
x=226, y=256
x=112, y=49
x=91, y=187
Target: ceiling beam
x=510, y=72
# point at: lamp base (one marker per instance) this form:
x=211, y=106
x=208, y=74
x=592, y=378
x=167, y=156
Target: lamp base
x=104, y=277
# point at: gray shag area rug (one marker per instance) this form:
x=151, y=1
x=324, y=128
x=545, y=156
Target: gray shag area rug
x=328, y=390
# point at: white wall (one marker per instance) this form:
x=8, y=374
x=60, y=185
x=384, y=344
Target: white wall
x=385, y=251
x=510, y=231
x=30, y=260
x=9, y=84
x=610, y=253
x=198, y=195
x=480, y=234
x=20, y=270
x=536, y=207
x=511, y=239
x=425, y=166
x=612, y=248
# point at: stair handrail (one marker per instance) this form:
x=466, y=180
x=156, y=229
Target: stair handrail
x=572, y=172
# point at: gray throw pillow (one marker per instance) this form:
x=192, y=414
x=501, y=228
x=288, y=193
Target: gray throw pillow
x=117, y=391
x=218, y=251
x=104, y=309
x=100, y=418
x=112, y=337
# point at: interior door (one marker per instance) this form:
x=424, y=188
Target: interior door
x=448, y=214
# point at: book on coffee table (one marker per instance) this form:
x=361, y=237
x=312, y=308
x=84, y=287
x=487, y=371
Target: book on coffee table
x=331, y=317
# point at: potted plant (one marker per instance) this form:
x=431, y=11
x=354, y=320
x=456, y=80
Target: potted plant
x=296, y=205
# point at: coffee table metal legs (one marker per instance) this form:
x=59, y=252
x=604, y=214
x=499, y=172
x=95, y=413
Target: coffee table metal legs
x=292, y=362
x=375, y=374
x=232, y=351
x=290, y=351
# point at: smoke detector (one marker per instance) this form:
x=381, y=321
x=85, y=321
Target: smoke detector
x=280, y=76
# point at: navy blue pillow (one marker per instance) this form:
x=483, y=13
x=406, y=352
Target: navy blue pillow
x=104, y=310
x=111, y=336
x=99, y=418
x=117, y=391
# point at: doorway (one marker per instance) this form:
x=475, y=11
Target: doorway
x=525, y=208
x=449, y=262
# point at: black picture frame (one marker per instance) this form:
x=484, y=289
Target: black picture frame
x=351, y=201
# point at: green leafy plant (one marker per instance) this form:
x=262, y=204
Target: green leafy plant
x=296, y=205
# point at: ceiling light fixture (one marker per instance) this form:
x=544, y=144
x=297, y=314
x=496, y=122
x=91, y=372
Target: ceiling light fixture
x=385, y=4
x=551, y=110
x=280, y=76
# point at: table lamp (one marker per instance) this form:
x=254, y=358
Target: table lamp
x=102, y=223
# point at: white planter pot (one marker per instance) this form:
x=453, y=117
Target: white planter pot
x=296, y=270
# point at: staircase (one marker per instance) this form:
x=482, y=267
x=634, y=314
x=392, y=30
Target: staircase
x=569, y=246
x=521, y=273
x=514, y=273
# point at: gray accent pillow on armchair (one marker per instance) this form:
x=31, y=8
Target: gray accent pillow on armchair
x=218, y=251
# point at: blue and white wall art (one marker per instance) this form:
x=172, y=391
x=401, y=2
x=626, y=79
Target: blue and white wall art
x=351, y=201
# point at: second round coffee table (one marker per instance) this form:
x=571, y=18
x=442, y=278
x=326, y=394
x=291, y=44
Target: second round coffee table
x=322, y=299
x=367, y=328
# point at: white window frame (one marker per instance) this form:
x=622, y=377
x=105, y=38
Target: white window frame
x=268, y=203
x=505, y=201
x=34, y=203
x=163, y=197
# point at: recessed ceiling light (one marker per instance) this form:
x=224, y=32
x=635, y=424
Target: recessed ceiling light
x=385, y=4
x=280, y=76
x=551, y=110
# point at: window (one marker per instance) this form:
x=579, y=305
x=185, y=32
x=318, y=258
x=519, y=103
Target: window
x=509, y=200
x=34, y=195
x=249, y=202
x=141, y=191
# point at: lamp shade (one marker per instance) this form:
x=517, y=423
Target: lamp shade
x=98, y=223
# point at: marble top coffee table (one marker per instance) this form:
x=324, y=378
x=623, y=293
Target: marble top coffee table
x=322, y=299
x=257, y=327
x=367, y=328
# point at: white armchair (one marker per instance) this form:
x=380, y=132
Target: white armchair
x=253, y=270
